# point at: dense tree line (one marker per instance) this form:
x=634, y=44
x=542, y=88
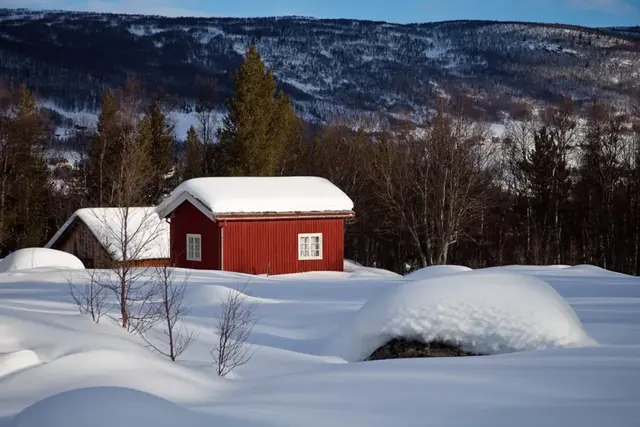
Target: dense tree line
x=562, y=185
x=26, y=194
x=553, y=190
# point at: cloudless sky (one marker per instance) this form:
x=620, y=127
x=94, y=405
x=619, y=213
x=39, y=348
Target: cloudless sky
x=579, y=12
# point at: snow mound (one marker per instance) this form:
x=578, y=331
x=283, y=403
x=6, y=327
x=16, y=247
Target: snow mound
x=206, y=295
x=373, y=273
x=436, y=271
x=17, y=361
x=486, y=313
x=105, y=407
x=31, y=258
x=358, y=270
x=588, y=269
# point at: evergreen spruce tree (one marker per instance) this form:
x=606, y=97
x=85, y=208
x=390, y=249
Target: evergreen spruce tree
x=260, y=125
x=599, y=172
x=547, y=176
x=158, y=137
x=105, y=153
x=194, y=156
x=28, y=191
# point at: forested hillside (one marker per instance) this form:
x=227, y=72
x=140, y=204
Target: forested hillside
x=329, y=67
x=562, y=185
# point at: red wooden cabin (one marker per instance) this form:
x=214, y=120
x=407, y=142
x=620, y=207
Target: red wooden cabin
x=257, y=225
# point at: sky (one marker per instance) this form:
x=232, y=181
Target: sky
x=593, y=13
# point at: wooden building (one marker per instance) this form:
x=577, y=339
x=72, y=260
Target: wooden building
x=96, y=236
x=257, y=225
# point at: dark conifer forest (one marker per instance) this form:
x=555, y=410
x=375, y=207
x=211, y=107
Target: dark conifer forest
x=404, y=134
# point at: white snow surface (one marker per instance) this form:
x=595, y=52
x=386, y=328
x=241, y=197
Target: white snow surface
x=30, y=258
x=436, y=271
x=483, y=313
x=227, y=195
x=17, y=360
x=358, y=270
x=57, y=367
x=147, y=237
x=106, y=407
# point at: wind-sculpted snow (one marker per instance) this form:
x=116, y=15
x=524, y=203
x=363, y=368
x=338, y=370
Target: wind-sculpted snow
x=16, y=361
x=106, y=407
x=436, y=271
x=59, y=369
x=485, y=313
x=30, y=258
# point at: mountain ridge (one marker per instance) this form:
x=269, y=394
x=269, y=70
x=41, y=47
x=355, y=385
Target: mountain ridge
x=329, y=67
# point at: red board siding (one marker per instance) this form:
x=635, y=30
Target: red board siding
x=271, y=246
x=187, y=219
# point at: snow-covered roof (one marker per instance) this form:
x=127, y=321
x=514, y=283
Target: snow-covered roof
x=147, y=234
x=258, y=195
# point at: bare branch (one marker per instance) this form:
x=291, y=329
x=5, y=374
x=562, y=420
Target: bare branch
x=130, y=235
x=91, y=297
x=171, y=310
x=235, y=323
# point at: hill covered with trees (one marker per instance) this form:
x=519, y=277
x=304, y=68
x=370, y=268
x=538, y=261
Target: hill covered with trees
x=329, y=67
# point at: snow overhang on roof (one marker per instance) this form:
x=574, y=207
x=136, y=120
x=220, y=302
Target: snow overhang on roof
x=246, y=197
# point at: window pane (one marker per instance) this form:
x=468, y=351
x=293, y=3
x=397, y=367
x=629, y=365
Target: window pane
x=310, y=246
x=194, y=248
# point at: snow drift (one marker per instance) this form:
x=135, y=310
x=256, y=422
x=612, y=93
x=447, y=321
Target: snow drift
x=17, y=360
x=209, y=295
x=436, y=271
x=485, y=313
x=358, y=270
x=30, y=258
x=105, y=407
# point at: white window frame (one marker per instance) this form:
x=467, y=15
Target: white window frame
x=300, y=249
x=191, y=255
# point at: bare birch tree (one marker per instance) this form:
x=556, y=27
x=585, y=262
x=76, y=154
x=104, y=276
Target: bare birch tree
x=92, y=297
x=133, y=233
x=433, y=182
x=518, y=143
x=171, y=311
x=235, y=323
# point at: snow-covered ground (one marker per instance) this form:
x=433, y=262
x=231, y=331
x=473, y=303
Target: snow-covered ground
x=57, y=368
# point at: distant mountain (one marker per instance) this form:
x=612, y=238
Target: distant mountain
x=329, y=67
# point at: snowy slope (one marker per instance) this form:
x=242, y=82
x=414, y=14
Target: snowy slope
x=47, y=349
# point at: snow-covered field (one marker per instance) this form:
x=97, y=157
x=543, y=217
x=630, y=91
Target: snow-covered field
x=59, y=369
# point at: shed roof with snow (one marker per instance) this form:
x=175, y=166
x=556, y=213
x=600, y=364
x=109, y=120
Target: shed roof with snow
x=228, y=196
x=147, y=235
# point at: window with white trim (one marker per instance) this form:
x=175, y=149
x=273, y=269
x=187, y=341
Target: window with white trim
x=194, y=247
x=309, y=246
